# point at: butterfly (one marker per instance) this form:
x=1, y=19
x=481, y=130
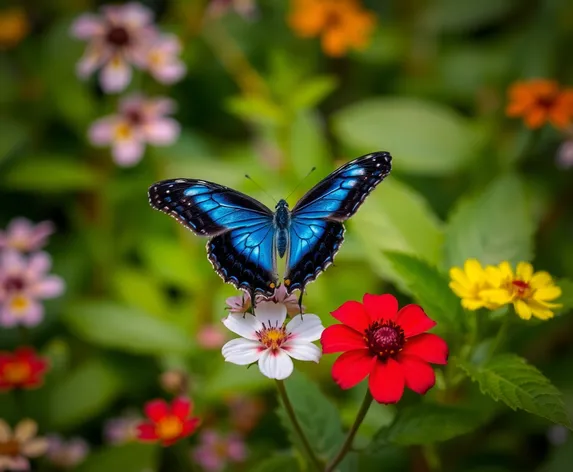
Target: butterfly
x=245, y=236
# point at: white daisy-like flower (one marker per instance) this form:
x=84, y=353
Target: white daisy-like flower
x=266, y=340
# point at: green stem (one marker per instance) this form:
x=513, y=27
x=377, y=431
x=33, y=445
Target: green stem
x=296, y=425
x=345, y=448
x=500, y=337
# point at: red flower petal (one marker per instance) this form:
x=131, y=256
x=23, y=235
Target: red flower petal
x=156, y=410
x=413, y=320
x=146, y=432
x=340, y=338
x=25, y=353
x=189, y=426
x=380, y=307
x=352, y=314
x=386, y=381
x=419, y=376
x=428, y=347
x=352, y=367
x=181, y=407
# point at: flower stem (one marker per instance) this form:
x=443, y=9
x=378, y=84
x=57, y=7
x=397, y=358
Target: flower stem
x=353, y=430
x=500, y=337
x=296, y=425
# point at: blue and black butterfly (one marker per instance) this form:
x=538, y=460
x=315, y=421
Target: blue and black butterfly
x=246, y=236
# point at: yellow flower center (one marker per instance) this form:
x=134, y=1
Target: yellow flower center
x=10, y=448
x=272, y=338
x=169, y=427
x=16, y=372
x=19, y=303
x=520, y=289
x=123, y=131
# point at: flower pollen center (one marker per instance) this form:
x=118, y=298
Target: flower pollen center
x=521, y=289
x=547, y=100
x=169, y=427
x=272, y=338
x=16, y=372
x=117, y=36
x=19, y=303
x=384, y=339
x=10, y=448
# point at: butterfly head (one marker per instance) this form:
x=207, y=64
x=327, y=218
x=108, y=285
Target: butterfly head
x=281, y=204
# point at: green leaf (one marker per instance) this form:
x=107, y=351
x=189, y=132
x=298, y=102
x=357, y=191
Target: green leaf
x=127, y=329
x=430, y=289
x=428, y=423
x=410, y=227
x=277, y=463
x=84, y=393
x=256, y=109
x=50, y=173
x=453, y=15
x=308, y=146
x=140, y=290
x=12, y=136
x=492, y=227
x=312, y=91
x=131, y=457
x=427, y=137
x=230, y=378
x=318, y=417
x=510, y=379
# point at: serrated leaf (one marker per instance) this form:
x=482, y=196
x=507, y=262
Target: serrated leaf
x=317, y=415
x=510, y=379
x=277, y=463
x=128, y=329
x=132, y=457
x=430, y=289
x=428, y=423
x=410, y=227
x=428, y=138
x=492, y=226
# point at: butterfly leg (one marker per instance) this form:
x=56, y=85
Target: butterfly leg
x=300, y=301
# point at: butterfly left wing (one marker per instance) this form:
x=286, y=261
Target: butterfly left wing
x=239, y=227
x=316, y=221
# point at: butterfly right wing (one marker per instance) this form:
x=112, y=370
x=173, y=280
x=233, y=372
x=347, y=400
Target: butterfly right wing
x=241, y=229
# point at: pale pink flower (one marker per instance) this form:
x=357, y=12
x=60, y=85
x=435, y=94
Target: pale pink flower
x=239, y=303
x=216, y=450
x=117, y=38
x=22, y=443
x=244, y=412
x=66, y=454
x=23, y=283
x=25, y=236
x=162, y=59
x=565, y=155
x=211, y=336
x=122, y=429
x=266, y=340
x=140, y=121
x=246, y=8
x=280, y=296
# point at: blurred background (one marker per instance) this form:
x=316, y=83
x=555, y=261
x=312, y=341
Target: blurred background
x=271, y=89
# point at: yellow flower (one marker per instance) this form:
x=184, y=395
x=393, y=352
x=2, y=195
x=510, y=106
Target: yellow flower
x=14, y=27
x=342, y=24
x=17, y=446
x=530, y=292
x=469, y=284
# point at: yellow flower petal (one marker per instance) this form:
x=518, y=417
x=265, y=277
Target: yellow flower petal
x=460, y=290
x=498, y=296
x=474, y=270
x=522, y=309
x=524, y=271
x=5, y=431
x=35, y=447
x=506, y=271
x=547, y=293
x=472, y=303
x=458, y=275
x=25, y=429
x=494, y=276
x=540, y=279
x=542, y=314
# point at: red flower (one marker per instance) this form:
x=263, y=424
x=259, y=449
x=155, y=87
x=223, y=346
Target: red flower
x=169, y=423
x=21, y=369
x=389, y=345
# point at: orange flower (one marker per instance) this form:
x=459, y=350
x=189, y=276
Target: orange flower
x=21, y=369
x=541, y=101
x=14, y=27
x=342, y=24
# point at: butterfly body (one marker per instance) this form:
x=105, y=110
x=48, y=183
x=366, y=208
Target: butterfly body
x=245, y=236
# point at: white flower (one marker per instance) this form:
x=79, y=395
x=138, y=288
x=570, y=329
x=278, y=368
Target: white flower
x=267, y=341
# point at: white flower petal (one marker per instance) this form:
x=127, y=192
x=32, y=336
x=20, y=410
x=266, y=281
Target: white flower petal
x=25, y=430
x=305, y=327
x=302, y=351
x=242, y=351
x=244, y=325
x=271, y=314
x=276, y=365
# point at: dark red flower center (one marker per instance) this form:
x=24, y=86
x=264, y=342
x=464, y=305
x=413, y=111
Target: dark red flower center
x=10, y=448
x=135, y=117
x=117, y=36
x=547, y=100
x=14, y=284
x=385, y=339
x=521, y=289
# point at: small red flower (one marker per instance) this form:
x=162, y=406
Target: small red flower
x=169, y=423
x=389, y=345
x=22, y=369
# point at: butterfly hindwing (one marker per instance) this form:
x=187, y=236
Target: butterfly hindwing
x=241, y=229
x=316, y=222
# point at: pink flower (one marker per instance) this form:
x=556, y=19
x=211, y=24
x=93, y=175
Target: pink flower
x=162, y=59
x=565, y=155
x=118, y=37
x=22, y=235
x=23, y=283
x=290, y=301
x=139, y=121
x=216, y=450
x=122, y=429
x=211, y=336
x=66, y=454
x=239, y=303
x=244, y=412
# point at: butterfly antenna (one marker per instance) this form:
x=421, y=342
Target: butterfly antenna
x=247, y=176
x=301, y=181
